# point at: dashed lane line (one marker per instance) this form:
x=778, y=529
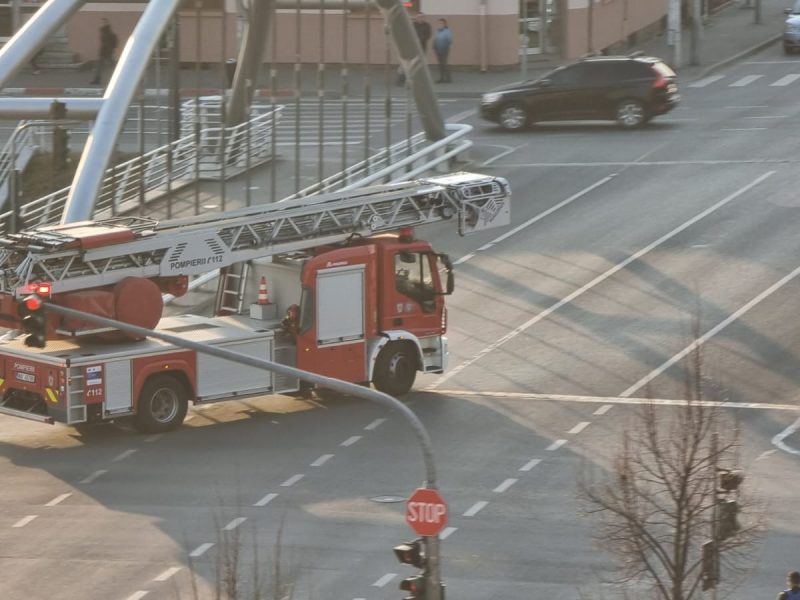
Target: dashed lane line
x=167, y=574
x=375, y=424
x=556, y=445
x=599, y=279
x=266, y=500
x=505, y=485
x=59, y=499
x=137, y=595
x=351, y=440
x=447, y=532
x=201, y=549
x=476, y=508
x=292, y=480
x=322, y=460
x=579, y=427
x=530, y=464
x=91, y=478
x=124, y=455
x=384, y=580
x=602, y=410
x=234, y=524
x=24, y=521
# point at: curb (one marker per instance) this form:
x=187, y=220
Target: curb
x=738, y=56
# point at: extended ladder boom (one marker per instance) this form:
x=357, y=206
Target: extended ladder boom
x=86, y=255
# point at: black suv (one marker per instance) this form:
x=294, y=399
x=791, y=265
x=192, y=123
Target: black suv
x=628, y=89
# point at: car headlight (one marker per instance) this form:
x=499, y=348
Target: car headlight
x=491, y=98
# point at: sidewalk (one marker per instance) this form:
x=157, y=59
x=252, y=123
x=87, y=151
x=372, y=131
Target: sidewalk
x=728, y=36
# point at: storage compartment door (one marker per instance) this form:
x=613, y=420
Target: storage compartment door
x=340, y=306
x=218, y=378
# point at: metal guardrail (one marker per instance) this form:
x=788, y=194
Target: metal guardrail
x=222, y=152
x=405, y=160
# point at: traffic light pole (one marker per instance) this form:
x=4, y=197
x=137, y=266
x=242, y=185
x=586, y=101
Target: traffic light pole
x=433, y=574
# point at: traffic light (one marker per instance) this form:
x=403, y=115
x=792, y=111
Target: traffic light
x=729, y=481
x=727, y=519
x=34, y=323
x=415, y=585
x=60, y=148
x=710, y=566
x=411, y=553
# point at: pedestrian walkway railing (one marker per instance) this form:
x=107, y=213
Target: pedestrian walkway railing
x=401, y=161
x=222, y=153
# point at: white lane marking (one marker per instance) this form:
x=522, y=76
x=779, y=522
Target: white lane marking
x=447, y=532
x=201, y=549
x=619, y=400
x=375, y=424
x=711, y=333
x=501, y=155
x=540, y=216
x=59, y=499
x=766, y=453
x=124, y=455
x=234, y=523
x=746, y=107
x=603, y=409
x=555, y=445
x=658, y=163
x=266, y=500
x=292, y=480
x=786, y=80
x=475, y=508
x=743, y=129
x=167, y=574
x=24, y=521
x=778, y=439
x=766, y=117
x=505, y=485
x=384, y=580
x=322, y=460
x=579, y=427
x=462, y=115
x=597, y=280
x=746, y=80
x=530, y=464
x=706, y=81
x=137, y=595
x=94, y=476
x=153, y=438
x=351, y=440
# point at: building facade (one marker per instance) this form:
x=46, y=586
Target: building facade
x=488, y=34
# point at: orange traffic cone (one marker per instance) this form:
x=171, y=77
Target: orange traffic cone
x=263, y=297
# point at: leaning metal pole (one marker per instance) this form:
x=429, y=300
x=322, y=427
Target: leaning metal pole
x=251, y=54
x=117, y=98
x=414, y=65
x=432, y=575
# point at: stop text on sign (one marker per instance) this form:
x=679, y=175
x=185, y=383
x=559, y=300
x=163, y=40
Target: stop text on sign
x=426, y=512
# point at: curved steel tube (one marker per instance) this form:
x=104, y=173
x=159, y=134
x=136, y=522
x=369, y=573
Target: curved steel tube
x=120, y=92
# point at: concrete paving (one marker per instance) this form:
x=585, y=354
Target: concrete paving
x=728, y=35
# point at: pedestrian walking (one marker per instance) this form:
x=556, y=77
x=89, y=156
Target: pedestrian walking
x=793, y=591
x=441, y=45
x=423, y=31
x=105, y=55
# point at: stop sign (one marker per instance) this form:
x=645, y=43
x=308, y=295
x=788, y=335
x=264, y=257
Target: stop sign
x=426, y=512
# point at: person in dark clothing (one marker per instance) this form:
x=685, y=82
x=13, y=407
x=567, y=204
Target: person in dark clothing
x=793, y=592
x=423, y=30
x=105, y=56
x=441, y=45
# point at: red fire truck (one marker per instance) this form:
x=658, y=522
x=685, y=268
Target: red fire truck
x=353, y=295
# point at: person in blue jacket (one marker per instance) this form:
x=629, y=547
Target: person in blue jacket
x=441, y=45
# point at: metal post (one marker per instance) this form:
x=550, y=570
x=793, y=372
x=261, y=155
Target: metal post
x=345, y=87
x=674, y=31
x=16, y=16
x=757, y=13
x=13, y=192
x=696, y=32
x=198, y=5
x=297, y=105
x=714, y=508
x=321, y=95
x=142, y=166
x=523, y=43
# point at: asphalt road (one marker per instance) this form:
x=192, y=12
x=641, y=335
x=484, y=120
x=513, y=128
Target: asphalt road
x=623, y=243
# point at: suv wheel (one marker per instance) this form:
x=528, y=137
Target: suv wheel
x=513, y=117
x=630, y=113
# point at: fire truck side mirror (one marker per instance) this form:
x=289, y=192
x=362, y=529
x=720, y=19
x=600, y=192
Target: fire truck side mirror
x=448, y=266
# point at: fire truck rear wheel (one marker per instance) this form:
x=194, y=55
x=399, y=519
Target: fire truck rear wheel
x=162, y=405
x=395, y=369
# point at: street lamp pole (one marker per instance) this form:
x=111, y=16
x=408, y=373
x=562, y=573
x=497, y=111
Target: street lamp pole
x=433, y=575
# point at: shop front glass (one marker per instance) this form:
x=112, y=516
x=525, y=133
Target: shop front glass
x=539, y=26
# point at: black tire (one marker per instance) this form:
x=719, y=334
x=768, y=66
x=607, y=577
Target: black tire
x=162, y=405
x=630, y=113
x=513, y=117
x=395, y=369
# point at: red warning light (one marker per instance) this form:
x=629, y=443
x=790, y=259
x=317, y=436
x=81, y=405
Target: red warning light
x=407, y=234
x=33, y=303
x=43, y=289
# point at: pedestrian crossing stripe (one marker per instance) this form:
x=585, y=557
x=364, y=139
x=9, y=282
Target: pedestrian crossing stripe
x=744, y=80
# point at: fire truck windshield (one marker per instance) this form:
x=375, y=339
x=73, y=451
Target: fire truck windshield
x=413, y=276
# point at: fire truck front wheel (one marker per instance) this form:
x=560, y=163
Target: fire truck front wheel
x=395, y=369
x=162, y=404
